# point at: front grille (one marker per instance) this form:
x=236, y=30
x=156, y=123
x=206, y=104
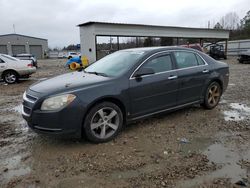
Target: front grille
x=28, y=103
x=29, y=98
x=26, y=110
x=32, y=98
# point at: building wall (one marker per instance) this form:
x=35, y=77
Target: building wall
x=88, y=41
x=15, y=40
x=88, y=34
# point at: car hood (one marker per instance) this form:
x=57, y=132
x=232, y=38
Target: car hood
x=69, y=81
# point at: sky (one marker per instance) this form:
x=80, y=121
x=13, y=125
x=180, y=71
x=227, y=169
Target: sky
x=57, y=20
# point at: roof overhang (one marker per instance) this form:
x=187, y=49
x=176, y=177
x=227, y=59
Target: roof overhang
x=122, y=29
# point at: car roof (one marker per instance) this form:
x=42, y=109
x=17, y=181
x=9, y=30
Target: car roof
x=159, y=49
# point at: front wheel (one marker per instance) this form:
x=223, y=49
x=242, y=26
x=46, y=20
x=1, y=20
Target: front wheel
x=10, y=77
x=103, y=122
x=212, y=96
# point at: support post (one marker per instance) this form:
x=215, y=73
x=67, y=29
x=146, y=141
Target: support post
x=118, y=45
x=201, y=42
x=226, y=48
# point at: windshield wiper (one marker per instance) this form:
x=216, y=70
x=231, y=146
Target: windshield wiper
x=98, y=73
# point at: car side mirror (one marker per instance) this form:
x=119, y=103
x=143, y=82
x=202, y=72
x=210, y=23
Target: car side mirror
x=144, y=71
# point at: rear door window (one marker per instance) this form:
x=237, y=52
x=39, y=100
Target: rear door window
x=160, y=64
x=200, y=61
x=185, y=59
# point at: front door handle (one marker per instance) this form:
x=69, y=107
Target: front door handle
x=205, y=71
x=172, y=77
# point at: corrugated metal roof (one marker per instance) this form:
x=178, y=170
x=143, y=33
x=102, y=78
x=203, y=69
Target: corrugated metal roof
x=22, y=36
x=144, y=25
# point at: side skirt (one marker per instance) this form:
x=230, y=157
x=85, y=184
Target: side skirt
x=165, y=110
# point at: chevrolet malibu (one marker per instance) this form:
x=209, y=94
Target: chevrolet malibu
x=122, y=87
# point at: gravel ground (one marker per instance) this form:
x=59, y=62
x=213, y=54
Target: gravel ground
x=192, y=147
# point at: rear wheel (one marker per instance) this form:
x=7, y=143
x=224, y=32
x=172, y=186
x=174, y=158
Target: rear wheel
x=103, y=122
x=10, y=77
x=212, y=96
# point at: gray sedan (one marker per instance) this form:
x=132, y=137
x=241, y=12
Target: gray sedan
x=122, y=87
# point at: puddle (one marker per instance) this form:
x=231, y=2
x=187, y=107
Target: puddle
x=226, y=157
x=238, y=112
x=15, y=169
x=195, y=145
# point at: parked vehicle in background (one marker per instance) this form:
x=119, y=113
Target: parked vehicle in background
x=11, y=69
x=217, y=51
x=194, y=46
x=27, y=57
x=62, y=55
x=244, y=57
x=122, y=87
x=72, y=54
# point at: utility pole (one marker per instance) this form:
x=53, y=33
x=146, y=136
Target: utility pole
x=14, y=28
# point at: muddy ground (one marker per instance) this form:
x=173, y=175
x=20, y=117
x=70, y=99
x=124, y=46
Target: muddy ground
x=192, y=147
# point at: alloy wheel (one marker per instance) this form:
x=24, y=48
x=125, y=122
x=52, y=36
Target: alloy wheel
x=213, y=95
x=10, y=77
x=105, y=122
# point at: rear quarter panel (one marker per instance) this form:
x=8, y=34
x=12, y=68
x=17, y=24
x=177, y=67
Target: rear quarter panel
x=219, y=71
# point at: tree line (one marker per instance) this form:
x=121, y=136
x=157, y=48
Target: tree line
x=239, y=28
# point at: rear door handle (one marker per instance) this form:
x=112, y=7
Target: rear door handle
x=172, y=77
x=205, y=71
x=2, y=66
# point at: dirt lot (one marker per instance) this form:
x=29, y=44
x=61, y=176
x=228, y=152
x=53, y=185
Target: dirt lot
x=192, y=147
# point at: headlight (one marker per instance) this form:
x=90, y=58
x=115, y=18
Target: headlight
x=57, y=102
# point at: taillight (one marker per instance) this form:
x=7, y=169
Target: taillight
x=30, y=65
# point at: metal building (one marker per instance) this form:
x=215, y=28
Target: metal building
x=92, y=36
x=13, y=44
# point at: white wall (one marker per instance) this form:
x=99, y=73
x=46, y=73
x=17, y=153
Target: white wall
x=88, y=34
x=88, y=47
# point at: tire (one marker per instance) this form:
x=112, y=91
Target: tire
x=99, y=127
x=212, y=95
x=69, y=57
x=10, y=77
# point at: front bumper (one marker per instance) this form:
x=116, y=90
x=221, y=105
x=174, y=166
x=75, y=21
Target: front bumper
x=65, y=122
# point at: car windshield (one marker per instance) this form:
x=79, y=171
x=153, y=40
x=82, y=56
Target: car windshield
x=115, y=64
x=10, y=58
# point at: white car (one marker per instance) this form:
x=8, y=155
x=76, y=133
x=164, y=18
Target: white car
x=72, y=54
x=11, y=69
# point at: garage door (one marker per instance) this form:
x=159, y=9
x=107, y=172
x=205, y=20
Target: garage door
x=3, y=49
x=36, y=50
x=18, y=49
